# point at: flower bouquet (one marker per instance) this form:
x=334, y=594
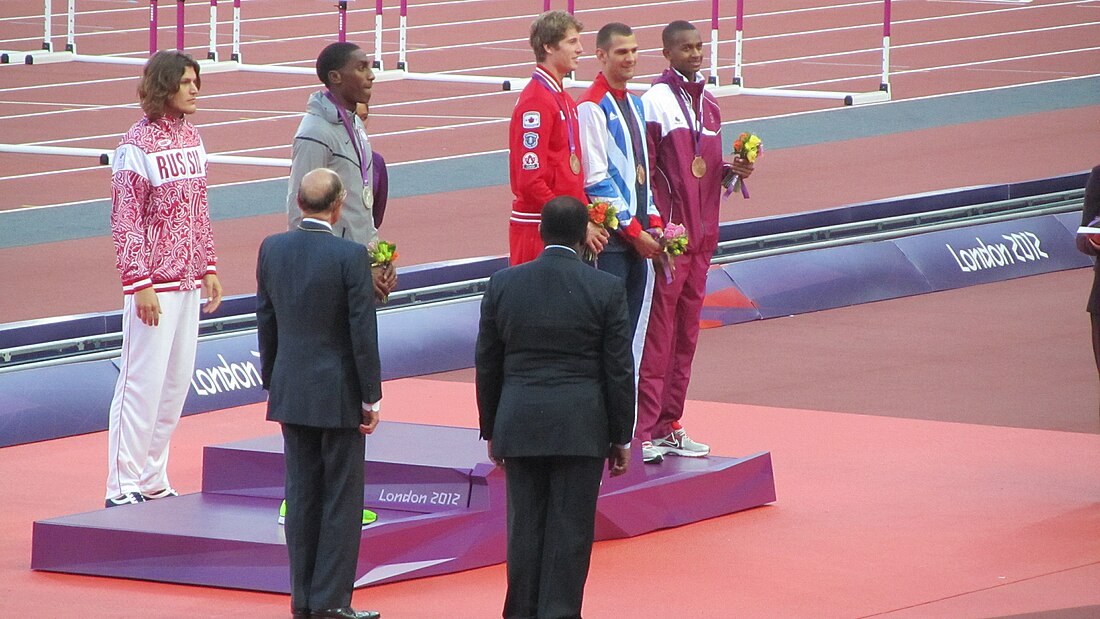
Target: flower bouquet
x=674, y=241
x=605, y=215
x=747, y=146
x=382, y=254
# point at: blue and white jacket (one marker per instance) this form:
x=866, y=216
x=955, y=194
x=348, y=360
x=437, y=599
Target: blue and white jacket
x=610, y=171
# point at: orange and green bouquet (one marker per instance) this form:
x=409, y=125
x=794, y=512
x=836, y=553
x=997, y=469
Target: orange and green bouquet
x=747, y=146
x=674, y=240
x=603, y=214
x=382, y=253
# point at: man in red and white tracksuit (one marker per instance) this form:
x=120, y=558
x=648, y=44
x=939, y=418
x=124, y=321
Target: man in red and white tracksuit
x=684, y=126
x=544, y=142
x=164, y=249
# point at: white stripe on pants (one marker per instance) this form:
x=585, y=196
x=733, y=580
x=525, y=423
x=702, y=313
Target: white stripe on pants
x=154, y=377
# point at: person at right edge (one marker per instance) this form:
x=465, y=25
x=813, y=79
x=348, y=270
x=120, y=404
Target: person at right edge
x=684, y=127
x=1090, y=244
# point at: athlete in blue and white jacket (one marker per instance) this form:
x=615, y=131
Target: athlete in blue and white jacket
x=616, y=165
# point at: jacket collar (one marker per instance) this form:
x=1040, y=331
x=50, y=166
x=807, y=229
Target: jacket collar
x=314, y=225
x=319, y=105
x=601, y=80
x=559, y=251
x=674, y=80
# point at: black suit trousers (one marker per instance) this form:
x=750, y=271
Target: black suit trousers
x=551, y=525
x=324, y=497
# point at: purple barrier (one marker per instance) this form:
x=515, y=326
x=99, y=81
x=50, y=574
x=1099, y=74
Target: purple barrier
x=429, y=338
x=30, y=332
x=63, y=400
x=826, y=278
x=1071, y=221
x=435, y=273
x=44, y=403
x=725, y=303
x=227, y=374
x=993, y=252
x=905, y=205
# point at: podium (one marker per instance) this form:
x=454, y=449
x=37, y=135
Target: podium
x=440, y=505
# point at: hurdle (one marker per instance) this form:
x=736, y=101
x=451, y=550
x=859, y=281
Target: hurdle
x=47, y=55
x=737, y=86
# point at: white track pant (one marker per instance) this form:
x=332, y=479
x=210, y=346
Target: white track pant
x=154, y=377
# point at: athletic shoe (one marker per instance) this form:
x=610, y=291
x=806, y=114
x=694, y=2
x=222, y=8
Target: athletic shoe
x=163, y=494
x=130, y=498
x=368, y=516
x=650, y=454
x=680, y=444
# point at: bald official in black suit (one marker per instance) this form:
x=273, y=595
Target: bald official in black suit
x=319, y=360
x=555, y=393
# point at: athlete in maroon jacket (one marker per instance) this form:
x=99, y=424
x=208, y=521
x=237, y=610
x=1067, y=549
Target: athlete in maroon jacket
x=685, y=133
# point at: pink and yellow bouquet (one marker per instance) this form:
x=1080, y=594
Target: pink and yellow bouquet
x=674, y=241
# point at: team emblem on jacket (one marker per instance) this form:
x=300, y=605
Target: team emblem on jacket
x=531, y=120
x=530, y=161
x=530, y=139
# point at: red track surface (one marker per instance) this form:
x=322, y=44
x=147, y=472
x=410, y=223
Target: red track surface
x=908, y=518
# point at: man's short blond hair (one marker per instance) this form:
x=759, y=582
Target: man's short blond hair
x=549, y=29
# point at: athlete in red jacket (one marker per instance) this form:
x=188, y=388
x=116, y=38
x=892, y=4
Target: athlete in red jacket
x=544, y=138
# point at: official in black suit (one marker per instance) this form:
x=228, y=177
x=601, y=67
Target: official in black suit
x=555, y=393
x=319, y=361
x=1090, y=245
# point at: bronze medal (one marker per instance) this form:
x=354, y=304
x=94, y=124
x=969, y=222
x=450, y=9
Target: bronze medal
x=698, y=167
x=574, y=163
x=640, y=174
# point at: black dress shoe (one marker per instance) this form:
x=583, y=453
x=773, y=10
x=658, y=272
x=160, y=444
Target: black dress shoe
x=299, y=613
x=346, y=612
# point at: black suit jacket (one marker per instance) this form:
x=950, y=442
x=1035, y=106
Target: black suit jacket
x=317, y=328
x=555, y=372
x=1090, y=212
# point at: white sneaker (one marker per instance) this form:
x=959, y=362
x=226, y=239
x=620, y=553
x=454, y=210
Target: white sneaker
x=650, y=454
x=163, y=494
x=680, y=444
x=129, y=498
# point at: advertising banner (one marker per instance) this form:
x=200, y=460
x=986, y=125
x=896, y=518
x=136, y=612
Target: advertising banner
x=993, y=252
x=809, y=281
x=60, y=400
